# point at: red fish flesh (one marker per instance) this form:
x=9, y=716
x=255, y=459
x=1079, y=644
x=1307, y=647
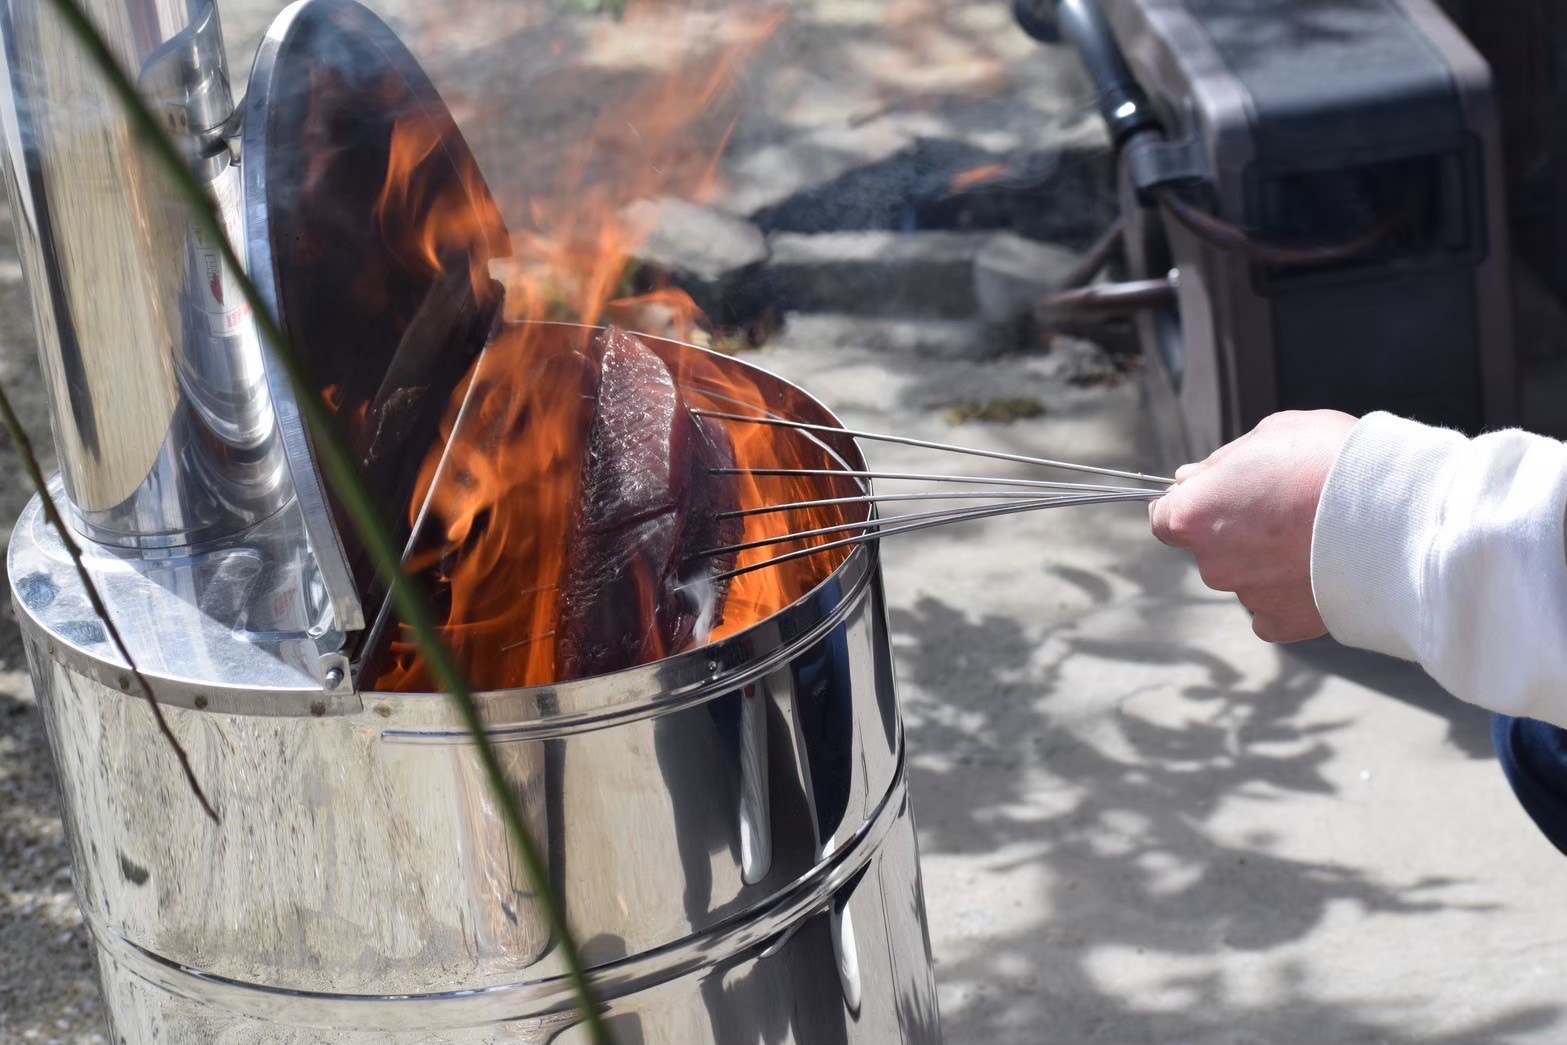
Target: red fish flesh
x=632, y=590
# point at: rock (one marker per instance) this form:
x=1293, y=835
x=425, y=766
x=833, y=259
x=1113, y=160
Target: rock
x=706, y=252
x=944, y=339
x=1053, y=192
x=1012, y=275
x=920, y=274
x=689, y=239
x=894, y=192
x=773, y=171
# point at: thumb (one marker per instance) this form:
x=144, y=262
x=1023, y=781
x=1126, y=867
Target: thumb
x=1159, y=521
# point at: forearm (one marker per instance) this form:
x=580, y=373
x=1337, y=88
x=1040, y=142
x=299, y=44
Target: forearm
x=1450, y=552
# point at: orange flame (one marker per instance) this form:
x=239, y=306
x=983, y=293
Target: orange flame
x=574, y=251
x=680, y=314
x=506, y=496
x=502, y=506
x=503, y=482
x=446, y=219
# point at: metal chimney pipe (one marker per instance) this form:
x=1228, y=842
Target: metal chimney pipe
x=165, y=431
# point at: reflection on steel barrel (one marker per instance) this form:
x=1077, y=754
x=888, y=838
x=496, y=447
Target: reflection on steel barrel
x=728, y=829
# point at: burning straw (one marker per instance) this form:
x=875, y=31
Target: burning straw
x=500, y=492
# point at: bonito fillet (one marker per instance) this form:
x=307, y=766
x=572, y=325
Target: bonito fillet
x=632, y=592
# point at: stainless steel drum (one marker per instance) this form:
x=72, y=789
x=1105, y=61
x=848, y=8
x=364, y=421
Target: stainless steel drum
x=729, y=829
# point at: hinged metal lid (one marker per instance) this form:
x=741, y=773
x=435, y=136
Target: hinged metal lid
x=370, y=233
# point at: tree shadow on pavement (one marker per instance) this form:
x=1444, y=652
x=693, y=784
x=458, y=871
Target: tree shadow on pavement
x=1124, y=831
x=1468, y=727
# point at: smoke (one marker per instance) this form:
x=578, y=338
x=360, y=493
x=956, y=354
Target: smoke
x=702, y=599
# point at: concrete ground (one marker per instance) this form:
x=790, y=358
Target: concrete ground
x=1138, y=823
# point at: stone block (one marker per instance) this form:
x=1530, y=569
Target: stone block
x=710, y=254
x=920, y=274
x=1013, y=274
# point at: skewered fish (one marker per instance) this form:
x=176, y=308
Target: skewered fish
x=653, y=492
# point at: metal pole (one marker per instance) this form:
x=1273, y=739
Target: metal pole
x=161, y=416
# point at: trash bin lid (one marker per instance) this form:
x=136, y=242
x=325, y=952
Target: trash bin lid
x=369, y=233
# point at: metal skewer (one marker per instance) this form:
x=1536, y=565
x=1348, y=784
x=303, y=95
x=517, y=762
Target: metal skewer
x=918, y=477
x=383, y=617
x=955, y=495
x=947, y=518
x=996, y=455
x=929, y=518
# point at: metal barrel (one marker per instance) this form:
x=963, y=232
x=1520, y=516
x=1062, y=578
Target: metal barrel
x=728, y=828
x=161, y=416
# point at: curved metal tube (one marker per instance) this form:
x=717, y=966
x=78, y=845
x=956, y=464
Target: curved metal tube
x=160, y=412
x=1122, y=102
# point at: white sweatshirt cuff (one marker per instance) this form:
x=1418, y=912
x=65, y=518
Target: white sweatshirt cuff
x=1382, y=500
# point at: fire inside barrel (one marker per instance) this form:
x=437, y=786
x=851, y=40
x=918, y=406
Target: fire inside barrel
x=634, y=589
x=562, y=506
x=568, y=496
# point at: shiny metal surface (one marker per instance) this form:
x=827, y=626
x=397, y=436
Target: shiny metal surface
x=848, y=966
x=236, y=625
x=165, y=431
x=738, y=863
x=187, y=80
x=728, y=828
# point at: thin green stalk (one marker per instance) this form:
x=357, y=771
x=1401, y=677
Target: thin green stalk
x=338, y=467
x=35, y=473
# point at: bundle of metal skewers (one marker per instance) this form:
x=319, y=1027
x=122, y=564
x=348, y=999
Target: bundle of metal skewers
x=665, y=480
x=1018, y=495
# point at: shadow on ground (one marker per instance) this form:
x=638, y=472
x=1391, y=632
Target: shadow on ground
x=1140, y=809
x=1120, y=817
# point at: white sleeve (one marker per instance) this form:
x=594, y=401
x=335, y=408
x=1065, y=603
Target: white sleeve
x=1450, y=552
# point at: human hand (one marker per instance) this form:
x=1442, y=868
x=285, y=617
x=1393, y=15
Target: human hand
x=1246, y=514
